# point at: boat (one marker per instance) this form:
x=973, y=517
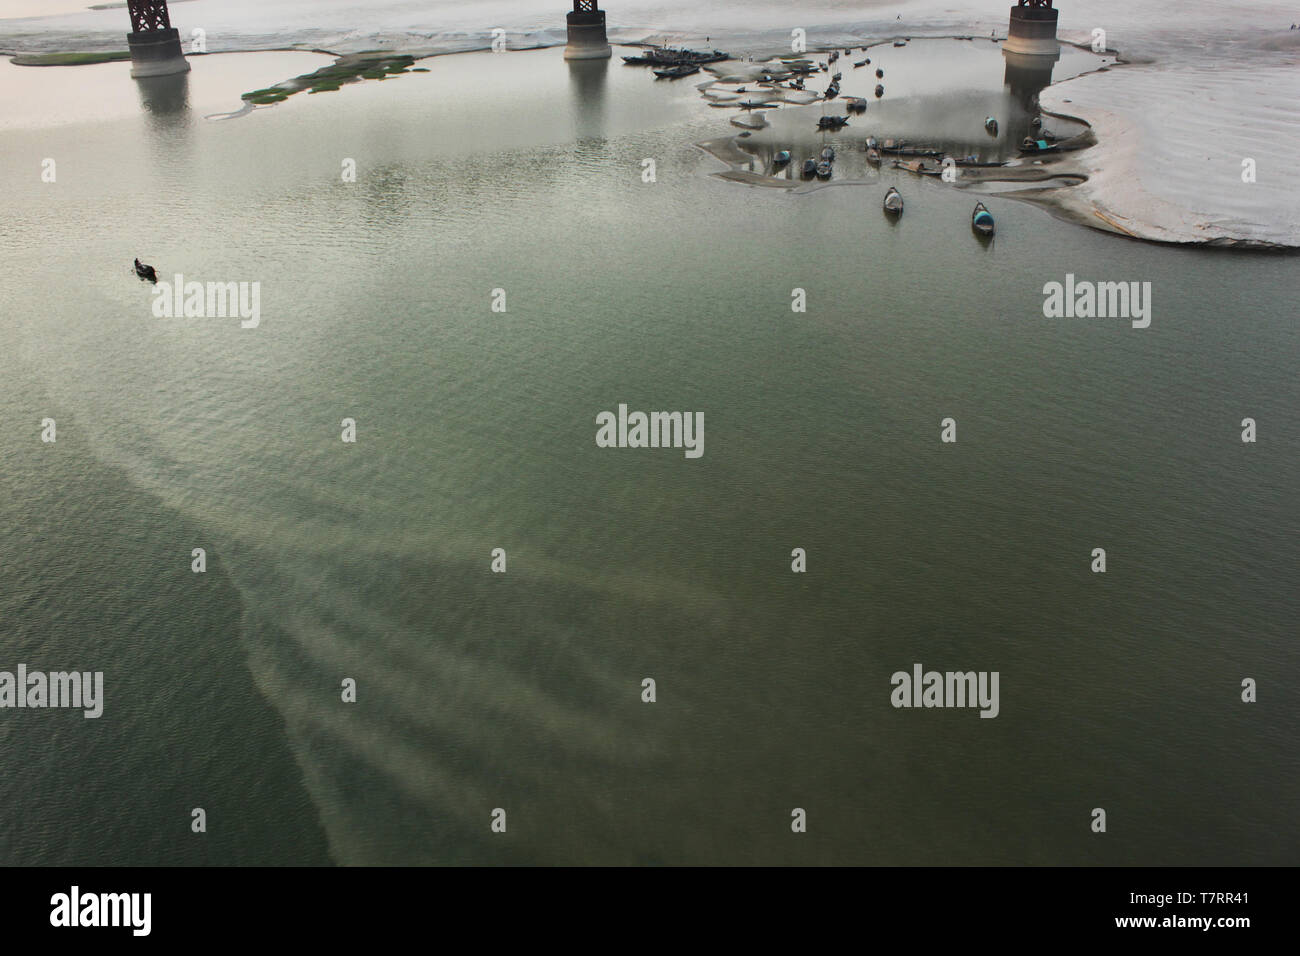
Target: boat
x=855, y=104
x=837, y=77
x=667, y=56
x=871, y=142
x=917, y=166
x=900, y=43
x=880, y=74
x=781, y=158
x=893, y=203
x=832, y=91
x=676, y=72
x=880, y=91
x=828, y=154
x=991, y=125
x=823, y=170
x=981, y=220
x=146, y=273
x=900, y=150
x=1031, y=145
x=873, y=156
x=809, y=168
x=860, y=63
x=832, y=122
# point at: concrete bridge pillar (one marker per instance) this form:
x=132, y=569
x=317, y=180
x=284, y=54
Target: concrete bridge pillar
x=587, y=40
x=154, y=43
x=1033, y=29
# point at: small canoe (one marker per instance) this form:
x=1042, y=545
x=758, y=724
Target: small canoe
x=824, y=170
x=675, y=72
x=880, y=91
x=860, y=63
x=893, y=202
x=828, y=154
x=900, y=43
x=880, y=74
x=991, y=125
x=809, y=168
x=781, y=158
x=981, y=220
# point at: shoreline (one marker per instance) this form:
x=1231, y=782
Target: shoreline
x=1112, y=154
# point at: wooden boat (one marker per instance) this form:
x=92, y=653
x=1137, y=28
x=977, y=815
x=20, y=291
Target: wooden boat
x=901, y=150
x=900, y=43
x=856, y=104
x=676, y=72
x=880, y=74
x=781, y=158
x=916, y=166
x=809, y=168
x=832, y=122
x=860, y=63
x=981, y=220
x=991, y=125
x=1031, y=145
x=828, y=154
x=823, y=170
x=873, y=156
x=893, y=203
x=880, y=91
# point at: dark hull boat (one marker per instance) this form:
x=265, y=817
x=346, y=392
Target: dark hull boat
x=828, y=154
x=781, y=158
x=880, y=91
x=823, y=170
x=832, y=122
x=981, y=220
x=893, y=203
x=809, y=168
x=675, y=72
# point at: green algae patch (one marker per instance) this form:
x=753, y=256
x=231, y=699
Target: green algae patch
x=69, y=59
x=352, y=68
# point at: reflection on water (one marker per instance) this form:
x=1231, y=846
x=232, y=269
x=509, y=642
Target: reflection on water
x=1026, y=76
x=587, y=81
x=164, y=96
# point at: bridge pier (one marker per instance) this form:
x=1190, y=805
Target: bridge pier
x=154, y=43
x=1032, y=30
x=587, y=39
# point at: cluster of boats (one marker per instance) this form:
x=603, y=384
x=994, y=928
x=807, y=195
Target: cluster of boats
x=669, y=56
x=675, y=63
x=813, y=167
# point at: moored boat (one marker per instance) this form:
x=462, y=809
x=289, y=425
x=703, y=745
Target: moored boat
x=880, y=91
x=991, y=125
x=675, y=72
x=823, y=170
x=809, y=168
x=828, y=154
x=781, y=158
x=873, y=156
x=893, y=203
x=981, y=220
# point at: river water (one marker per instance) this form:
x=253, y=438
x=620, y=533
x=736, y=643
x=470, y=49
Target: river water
x=475, y=431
